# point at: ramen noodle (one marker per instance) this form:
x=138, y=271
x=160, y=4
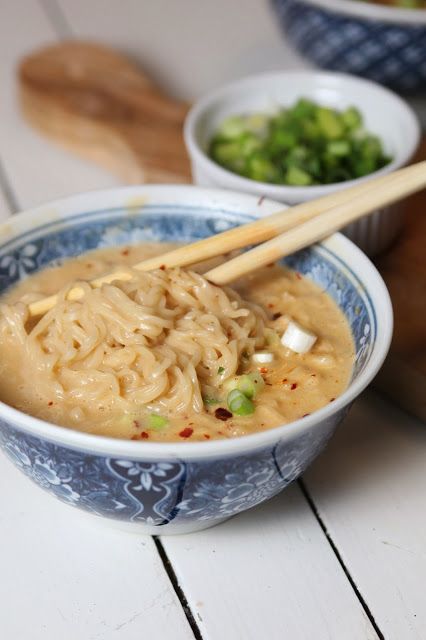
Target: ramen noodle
x=168, y=355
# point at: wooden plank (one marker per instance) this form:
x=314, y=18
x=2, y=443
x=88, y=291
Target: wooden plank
x=369, y=488
x=37, y=170
x=66, y=575
x=268, y=573
x=178, y=42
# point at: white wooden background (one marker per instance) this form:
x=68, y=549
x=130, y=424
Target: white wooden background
x=340, y=555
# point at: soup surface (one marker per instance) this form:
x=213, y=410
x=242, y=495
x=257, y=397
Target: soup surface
x=169, y=356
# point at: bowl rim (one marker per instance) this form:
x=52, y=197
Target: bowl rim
x=293, y=193
x=371, y=11
x=342, y=247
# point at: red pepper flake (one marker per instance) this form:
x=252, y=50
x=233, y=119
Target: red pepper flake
x=125, y=252
x=206, y=435
x=50, y=403
x=222, y=414
x=270, y=305
x=298, y=276
x=144, y=435
x=263, y=370
x=162, y=267
x=332, y=399
x=261, y=199
x=276, y=316
x=306, y=414
x=284, y=380
x=271, y=264
x=293, y=386
x=186, y=433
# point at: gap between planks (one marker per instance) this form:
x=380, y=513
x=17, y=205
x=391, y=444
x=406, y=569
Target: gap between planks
x=7, y=191
x=57, y=18
x=168, y=567
x=339, y=558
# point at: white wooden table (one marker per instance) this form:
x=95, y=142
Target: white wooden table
x=340, y=555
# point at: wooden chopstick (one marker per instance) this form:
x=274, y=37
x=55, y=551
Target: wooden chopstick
x=267, y=227
x=413, y=179
x=263, y=229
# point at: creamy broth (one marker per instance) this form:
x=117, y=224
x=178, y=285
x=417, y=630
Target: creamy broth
x=295, y=384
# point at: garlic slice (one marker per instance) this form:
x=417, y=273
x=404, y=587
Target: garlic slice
x=298, y=339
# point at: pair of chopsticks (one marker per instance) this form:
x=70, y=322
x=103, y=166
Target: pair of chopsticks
x=281, y=233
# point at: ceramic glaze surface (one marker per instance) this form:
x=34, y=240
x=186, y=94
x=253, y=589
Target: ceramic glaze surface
x=387, y=52
x=158, y=493
x=176, y=490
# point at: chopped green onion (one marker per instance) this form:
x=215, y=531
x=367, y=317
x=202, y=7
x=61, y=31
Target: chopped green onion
x=208, y=400
x=233, y=127
x=221, y=370
x=231, y=383
x=262, y=357
x=352, y=118
x=339, y=148
x=271, y=337
x=261, y=168
x=330, y=123
x=246, y=386
x=301, y=145
x=250, y=384
x=156, y=422
x=239, y=404
x=297, y=177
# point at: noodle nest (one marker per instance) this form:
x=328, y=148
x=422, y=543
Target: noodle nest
x=158, y=342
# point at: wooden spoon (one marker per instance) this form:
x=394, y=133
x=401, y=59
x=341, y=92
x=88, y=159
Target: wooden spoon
x=99, y=104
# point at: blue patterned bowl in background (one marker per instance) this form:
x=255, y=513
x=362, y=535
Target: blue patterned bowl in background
x=179, y=487
x=382, y=43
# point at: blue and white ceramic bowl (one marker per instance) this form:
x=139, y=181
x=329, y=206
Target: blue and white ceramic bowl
x=179, y=487
x=382, y=43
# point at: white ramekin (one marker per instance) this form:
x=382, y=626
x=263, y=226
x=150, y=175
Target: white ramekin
x=385, y=114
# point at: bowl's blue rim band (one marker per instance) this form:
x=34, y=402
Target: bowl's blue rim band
x=89, y=214
x=202, y=210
